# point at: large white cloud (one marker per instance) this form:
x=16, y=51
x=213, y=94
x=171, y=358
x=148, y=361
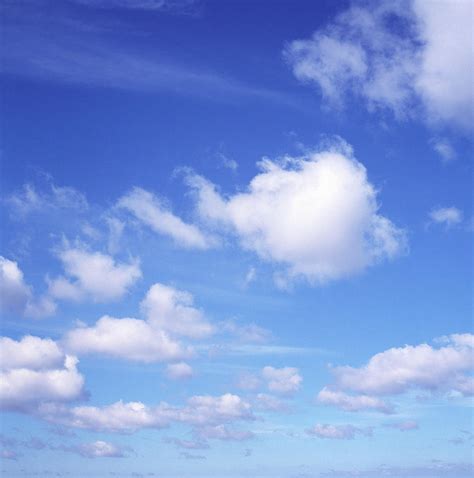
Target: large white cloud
x=443, y=369
x=94, y=275
x=317, y=215
x=34, y=371
x=151, y=211
x=421, y=63
x=17, y=297
x=398, y=370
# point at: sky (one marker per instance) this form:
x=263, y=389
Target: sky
x=236, y=238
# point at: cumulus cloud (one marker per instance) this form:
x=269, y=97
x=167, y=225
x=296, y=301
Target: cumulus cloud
x=97, y=449
x=94, y=275
x=128, y=338
x=31, y=353
x=179, y=371
x=317, y=215
x=449, y=216
x=422, y=64
x=151, y=211
x=395, y=371
x=284, y=380
x=398, y=370
x=172, y=310
x=199, y=411
x=16, y=297
x=170, y=315
x=338, y=432
x=34, y=371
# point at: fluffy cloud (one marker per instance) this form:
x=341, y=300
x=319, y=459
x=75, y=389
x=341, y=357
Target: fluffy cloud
x=200, y=411
x=169, y=314
x=398, y=370
x=338, y=432
x=31, y=353
x=97, y=449
x=282, y=380
x=179, y=371
x=93, y=274
x=151, y=211
x=449, y=216
x=172, y=310
x=316, y=215
x=128, y=338
x=422, y=64
x=16, y=296
x=34, y=371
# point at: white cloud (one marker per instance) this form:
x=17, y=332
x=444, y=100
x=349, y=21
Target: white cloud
x=449, y=216
x=30, y=200
x=151, y=211
x=31, y=353
x=126, y=338
x=395, y=371
x=444, y=148
x=316, y=215
x=97, y=449
x=250, y=276
x=179, y=371
x=284, y=380
x=338, y=432
x=93, y=274
x=172, y=310
x=14, y=293
x=270, y=403
x=352, y=403
x=404, y=426
x=17, y=297
x=169, y=314
x=445, y=77
x=35, y=371
x=423, y=64
x=172, y=6
x=246, y=333
x=223, y=432
x=200, y=411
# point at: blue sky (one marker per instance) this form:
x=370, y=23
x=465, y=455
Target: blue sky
x=236, y=239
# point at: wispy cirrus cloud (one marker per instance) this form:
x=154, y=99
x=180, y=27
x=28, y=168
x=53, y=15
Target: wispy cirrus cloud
x=107, y=53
